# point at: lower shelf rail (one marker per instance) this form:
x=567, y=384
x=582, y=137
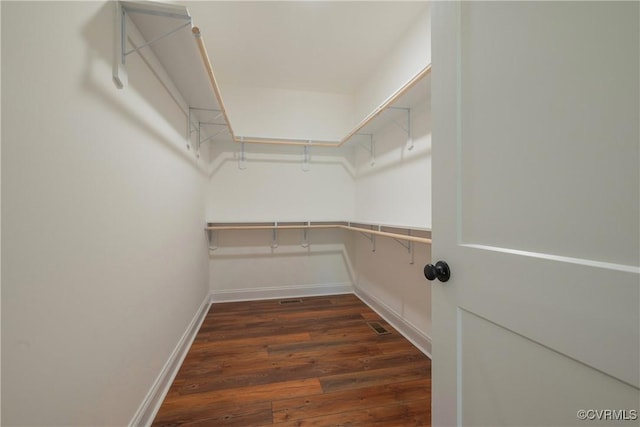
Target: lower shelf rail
x=413, y=234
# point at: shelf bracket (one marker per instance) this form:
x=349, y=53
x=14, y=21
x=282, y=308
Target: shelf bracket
x=306, y=157
x=371, y=148
x=242, y=163
x=412, y=259
x=212, y=238
x=197, y=127
x=120, y=77
x=407, y=129
x=371, y=238
x=209, y=138
x=407, y=245
x=305, y=236
x=274, y=240
x=190, y=129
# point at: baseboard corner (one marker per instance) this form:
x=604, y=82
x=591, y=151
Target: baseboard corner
x=151, y=404
x=418, y=338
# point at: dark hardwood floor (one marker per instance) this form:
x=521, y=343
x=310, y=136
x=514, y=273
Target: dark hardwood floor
x=314, y=363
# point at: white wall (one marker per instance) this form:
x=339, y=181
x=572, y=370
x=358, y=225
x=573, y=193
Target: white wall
x=409, y=56
x=245, y=266
x=0, y=241
x=273, y=187
x=396, y=288
x=396, y=190
x=292, y=114
x=104, y=258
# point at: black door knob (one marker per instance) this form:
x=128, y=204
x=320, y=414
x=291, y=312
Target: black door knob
x=439, y=271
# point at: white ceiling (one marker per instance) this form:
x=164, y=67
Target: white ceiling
x=321, y=46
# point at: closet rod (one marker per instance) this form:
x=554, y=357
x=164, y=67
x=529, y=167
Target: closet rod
x=212, y=78
x=388, y=234
x=268, y=227
x=416, y=239
x=258, y=140
x=300, y=142
x=390, y=100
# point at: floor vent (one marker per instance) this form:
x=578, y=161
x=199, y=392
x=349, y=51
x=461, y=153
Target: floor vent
x=290, y=301
x=378, y=328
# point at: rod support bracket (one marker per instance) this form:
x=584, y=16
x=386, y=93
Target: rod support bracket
x=408, y=128
x=120, y=77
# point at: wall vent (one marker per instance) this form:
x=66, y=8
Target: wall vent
x=291, y=301
x=378, y=328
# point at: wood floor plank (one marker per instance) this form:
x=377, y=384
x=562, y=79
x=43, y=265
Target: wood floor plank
x=312, y=363
x=374, y=377
x=236, y=345
x=256, y=414
x=344, y=401
x=413, y=413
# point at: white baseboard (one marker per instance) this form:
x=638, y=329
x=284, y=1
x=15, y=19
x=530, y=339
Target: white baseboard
x=151, y=404
x=281, y=292
x=418, y=338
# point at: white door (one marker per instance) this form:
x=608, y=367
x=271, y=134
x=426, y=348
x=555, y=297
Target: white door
x=536, y=211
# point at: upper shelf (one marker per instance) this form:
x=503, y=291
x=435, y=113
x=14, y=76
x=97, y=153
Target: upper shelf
x=399, y=232
x=169, y=30
x=183, y=59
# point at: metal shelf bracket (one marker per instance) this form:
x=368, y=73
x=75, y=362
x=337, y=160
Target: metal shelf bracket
x=274, y=240
x=120, y=77
x=306, y=157
x=197, y=126
x=407, y=129
x=408, y=246
x=305, y=236
x=370, y=237
x=212, y=238
x=242, y=163
x=371, y=148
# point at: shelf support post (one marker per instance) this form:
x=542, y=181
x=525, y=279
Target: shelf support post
x=305, y=236
x=411, y=249
x=242, y=165
x=409, y=130
x=120, y=77
x=274, y=240
x=212, y=239
x=198, y=137
x=306, y=157
x=412, y=259
x=189, y=129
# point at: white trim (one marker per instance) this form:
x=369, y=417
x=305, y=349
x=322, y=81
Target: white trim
x=418, y=338
x=559, y=258
x=151, y=404
x=281, y=292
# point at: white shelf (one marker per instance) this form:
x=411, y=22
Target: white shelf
x=399, y=232
x=187, y=64
x=178, y=54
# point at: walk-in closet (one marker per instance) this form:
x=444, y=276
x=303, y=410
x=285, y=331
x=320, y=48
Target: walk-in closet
x=255, y=213
x=265, y=151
